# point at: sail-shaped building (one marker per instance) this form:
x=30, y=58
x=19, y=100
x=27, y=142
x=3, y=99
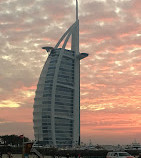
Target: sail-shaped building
x=56, y=113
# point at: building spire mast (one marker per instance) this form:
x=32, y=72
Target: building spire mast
x=76, y=10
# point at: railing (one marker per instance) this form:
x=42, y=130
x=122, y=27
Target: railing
x=33, y=150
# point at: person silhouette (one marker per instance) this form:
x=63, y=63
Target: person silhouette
x=0, y=154
x=9, y=155
x=139, y=155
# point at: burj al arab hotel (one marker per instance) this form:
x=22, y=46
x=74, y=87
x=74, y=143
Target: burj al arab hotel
x=56, y=113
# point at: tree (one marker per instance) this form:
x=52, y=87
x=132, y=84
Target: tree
x=13, y=140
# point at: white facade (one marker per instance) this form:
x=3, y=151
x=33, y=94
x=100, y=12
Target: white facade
x=57, y=100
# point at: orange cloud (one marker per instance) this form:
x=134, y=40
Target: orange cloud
x=9, y=103
x=16, y=114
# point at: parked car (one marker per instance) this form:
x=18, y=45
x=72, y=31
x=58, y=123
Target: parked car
x=37, y=146
x=118, y=155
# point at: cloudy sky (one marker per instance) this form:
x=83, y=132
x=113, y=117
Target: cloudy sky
x=110, y=31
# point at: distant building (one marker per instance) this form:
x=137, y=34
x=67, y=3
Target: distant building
x=134, y=146
x=56, y=113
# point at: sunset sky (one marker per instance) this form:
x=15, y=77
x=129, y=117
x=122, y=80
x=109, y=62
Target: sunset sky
x=110, y=31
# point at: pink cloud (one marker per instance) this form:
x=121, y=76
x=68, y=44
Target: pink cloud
x=110, y=76
x=119, y=126
x=17, y=115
